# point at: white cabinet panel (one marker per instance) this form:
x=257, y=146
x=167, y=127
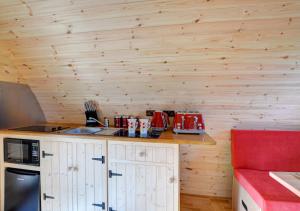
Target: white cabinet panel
x=47, y=174
x=74, y=176
x=241, y=200
x=147, y=176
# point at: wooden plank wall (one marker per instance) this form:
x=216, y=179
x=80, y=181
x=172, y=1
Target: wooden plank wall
x=235, y=61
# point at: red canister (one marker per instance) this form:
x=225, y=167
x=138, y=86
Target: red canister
x=118, y=121
x=125, y=121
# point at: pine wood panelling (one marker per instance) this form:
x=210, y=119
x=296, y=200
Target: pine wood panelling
x=238, y=62
x=204, y=203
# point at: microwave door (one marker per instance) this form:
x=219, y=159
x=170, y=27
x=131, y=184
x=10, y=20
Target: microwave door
x=14, y=151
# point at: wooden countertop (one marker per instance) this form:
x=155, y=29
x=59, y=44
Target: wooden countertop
x=167, y=137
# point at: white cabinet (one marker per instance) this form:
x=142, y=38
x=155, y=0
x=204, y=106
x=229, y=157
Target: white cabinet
x=241, y=200
x=85, y=174
x=73, y=175
x=143, y=176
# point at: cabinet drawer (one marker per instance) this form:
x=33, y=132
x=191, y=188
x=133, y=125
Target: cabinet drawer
x=144, y=152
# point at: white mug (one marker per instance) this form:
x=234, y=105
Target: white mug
x=145, y=125
x=132, y=126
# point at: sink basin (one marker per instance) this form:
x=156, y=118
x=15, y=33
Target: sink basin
x=83, y=130
x=108, y=131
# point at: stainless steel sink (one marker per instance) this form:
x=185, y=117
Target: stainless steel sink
x=108, y=131
x=82, y=130
x=91, y=131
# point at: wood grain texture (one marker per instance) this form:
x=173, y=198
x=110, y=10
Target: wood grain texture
x=290, y=180
x=238, y=62
x=204, y=203
x=166, y=137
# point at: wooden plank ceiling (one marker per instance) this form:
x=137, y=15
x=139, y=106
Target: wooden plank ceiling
x=235, y=61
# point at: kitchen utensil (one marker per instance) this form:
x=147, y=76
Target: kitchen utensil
x=92, y=119
x=90, y=105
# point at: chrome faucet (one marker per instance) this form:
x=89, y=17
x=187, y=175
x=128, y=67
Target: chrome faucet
x=93, y=119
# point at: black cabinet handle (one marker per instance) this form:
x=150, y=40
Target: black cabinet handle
x=102, y=205
x=111, y=209
x=44, y=154
x=111, y=174
x=45, y=197
x=244, y=205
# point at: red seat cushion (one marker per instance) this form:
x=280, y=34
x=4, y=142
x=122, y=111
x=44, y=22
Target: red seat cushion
x=266, y=150
x=266, y=192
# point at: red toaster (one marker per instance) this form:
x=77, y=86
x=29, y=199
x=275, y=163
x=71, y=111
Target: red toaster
x=188, y=122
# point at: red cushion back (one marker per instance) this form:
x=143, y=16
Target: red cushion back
x=266, y=150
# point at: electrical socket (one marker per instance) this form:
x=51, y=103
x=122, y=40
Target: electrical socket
x=171, y=113
x=149, y=112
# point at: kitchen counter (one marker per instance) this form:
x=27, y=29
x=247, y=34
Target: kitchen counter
x=167, y=137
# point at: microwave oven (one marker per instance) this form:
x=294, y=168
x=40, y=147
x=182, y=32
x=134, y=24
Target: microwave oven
x=22, y=151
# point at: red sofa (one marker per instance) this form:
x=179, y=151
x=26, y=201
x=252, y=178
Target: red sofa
x=254, y=154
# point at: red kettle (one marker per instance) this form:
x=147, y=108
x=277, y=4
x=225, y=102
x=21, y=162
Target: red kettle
x=160, y=120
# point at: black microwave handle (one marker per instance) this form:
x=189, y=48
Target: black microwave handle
x=22, y=172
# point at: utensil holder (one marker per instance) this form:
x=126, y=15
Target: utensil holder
x=91, y=122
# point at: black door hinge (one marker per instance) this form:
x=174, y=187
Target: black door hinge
x=102, y=205
x=45, y=197
x=102, y=159
x=111, y=209
x=44, y=154
x=111, y=174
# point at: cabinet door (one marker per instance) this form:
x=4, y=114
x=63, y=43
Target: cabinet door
x=90, y=177
x=73, y=176
x=56, y=176
x=143, y=177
